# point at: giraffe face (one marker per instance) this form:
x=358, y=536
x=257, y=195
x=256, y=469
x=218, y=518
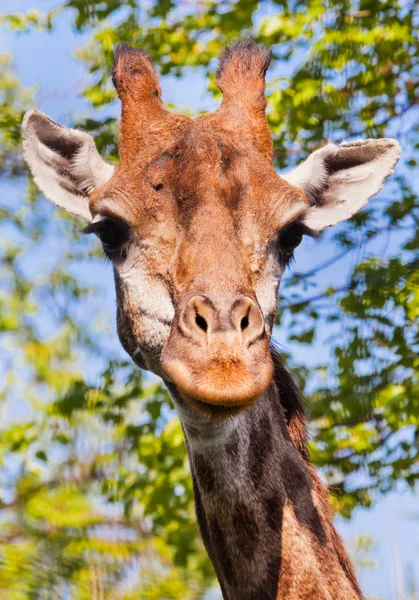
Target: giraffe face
x=197, y=223
x=198, y=247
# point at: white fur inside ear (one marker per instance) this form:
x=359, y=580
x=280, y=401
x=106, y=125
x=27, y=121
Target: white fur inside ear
x=339, y=180
x=92, y=171
x=64, y=163
x=311, y=175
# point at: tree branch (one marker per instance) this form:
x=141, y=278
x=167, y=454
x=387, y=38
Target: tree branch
x=320, y=296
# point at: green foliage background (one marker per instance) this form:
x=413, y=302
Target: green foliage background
x=96, y=499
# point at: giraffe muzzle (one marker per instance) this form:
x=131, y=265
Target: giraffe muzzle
x=218, y=350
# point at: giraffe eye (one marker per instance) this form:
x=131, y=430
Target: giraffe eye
x=112, y=234
x=291, y=238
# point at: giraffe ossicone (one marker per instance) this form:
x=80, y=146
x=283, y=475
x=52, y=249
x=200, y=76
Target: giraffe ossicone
x=199, y=228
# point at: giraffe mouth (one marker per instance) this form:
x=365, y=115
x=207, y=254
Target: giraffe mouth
x=221, y=379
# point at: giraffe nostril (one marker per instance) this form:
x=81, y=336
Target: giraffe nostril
x=222, y=321
x=244, y=323
x=201, y=322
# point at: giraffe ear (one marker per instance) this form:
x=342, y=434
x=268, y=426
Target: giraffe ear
x=64, y=163
x=339, y=180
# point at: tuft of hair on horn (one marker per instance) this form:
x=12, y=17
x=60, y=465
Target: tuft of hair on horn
x=133, y=74
x=243, y=67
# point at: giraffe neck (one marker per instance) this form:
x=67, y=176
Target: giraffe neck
x=261, y=509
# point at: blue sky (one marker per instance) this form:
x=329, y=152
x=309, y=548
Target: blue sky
x=47, y=61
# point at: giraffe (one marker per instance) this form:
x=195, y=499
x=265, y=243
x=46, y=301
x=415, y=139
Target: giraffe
x=199, y=228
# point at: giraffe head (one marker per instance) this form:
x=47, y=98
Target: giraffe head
x=197, y=223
